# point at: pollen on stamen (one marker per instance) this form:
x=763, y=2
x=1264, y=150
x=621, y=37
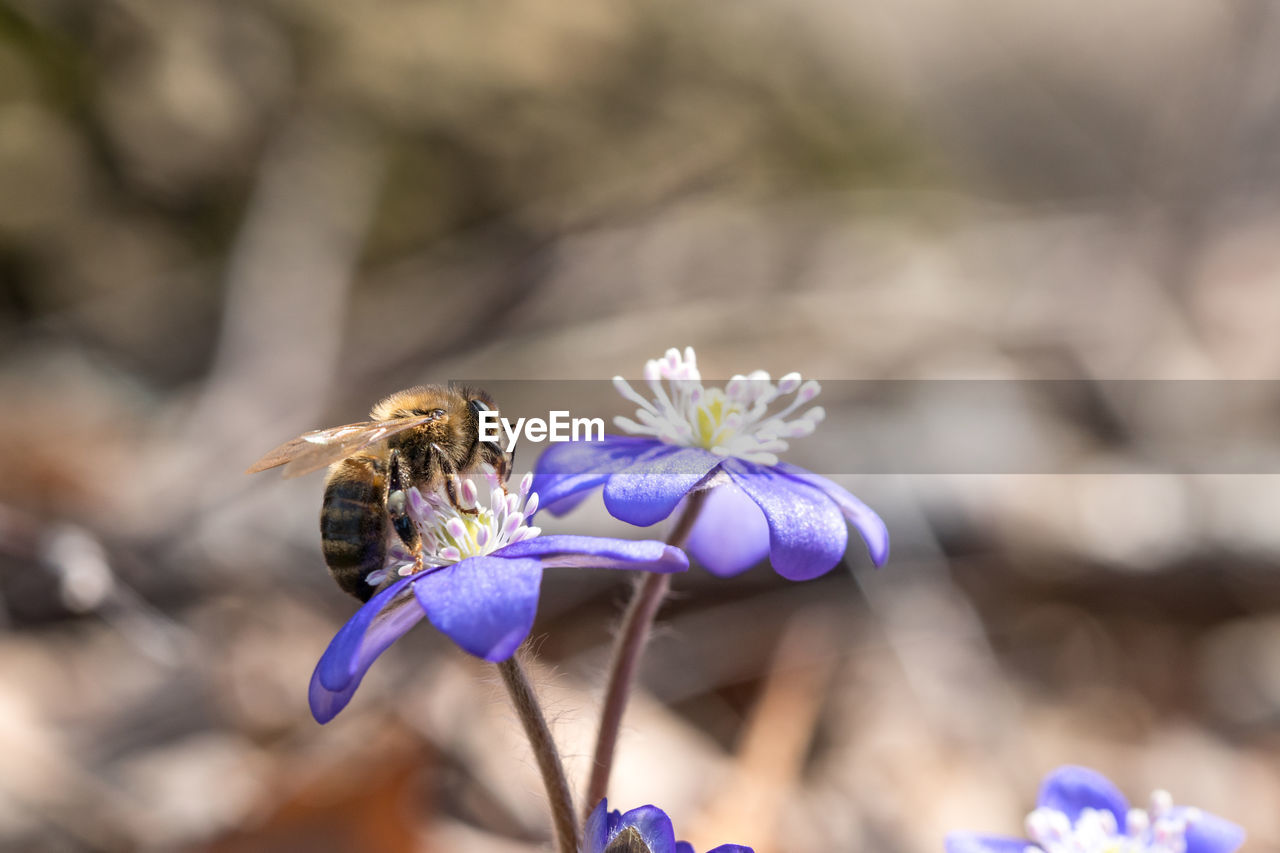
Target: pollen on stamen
x=418, y=505
x=449, y=533
x=457, y=529
x=467, y=494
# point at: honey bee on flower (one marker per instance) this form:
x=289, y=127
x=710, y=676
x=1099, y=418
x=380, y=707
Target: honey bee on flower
x=475, y=576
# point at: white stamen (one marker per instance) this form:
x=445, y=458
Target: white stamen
x=418, y=505
x=627, y=425
x=730, y=421
x=624, y=388
x=449, y=534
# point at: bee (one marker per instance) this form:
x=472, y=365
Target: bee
x=421, y=437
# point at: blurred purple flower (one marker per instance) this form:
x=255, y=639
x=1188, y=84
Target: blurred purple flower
x=688, y=438
x=615, y=832
x=476, y=580
x=1080, y=811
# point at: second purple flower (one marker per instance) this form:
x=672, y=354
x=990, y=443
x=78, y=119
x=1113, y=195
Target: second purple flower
x=689, y=437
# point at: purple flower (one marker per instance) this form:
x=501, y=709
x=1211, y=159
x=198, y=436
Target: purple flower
x=476, y=580
x=644, y=829
x=688, y=438
x=1080, y=811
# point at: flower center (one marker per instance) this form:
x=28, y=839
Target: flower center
x=450, y=534
x=732, y=421
x=1161, y=829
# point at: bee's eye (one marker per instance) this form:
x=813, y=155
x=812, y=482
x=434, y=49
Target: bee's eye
x=478, y=406
x=439, y=413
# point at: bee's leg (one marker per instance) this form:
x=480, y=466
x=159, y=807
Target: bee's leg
x=450, y=480
x=508, y=462
x=398, y=506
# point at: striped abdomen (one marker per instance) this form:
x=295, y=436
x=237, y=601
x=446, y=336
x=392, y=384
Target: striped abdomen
x=353, y=522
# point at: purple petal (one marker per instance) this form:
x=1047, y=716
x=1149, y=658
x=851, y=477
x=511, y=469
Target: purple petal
x=684, y=847
x=654, y=827
x=485, y=604
x=566, y=472
x=807, y=533
x=647, y=491
x=375, y=626
x=1209, y=833
x=596, y=832
x=970, y=842
x=595, y=552
x=725, y=848
x=586, y=457
x=1072, y=789
x=862, y=517
x=731, y=534
x=325, y=704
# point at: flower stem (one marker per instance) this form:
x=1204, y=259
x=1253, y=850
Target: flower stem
x=544, y=750
x=628, y=646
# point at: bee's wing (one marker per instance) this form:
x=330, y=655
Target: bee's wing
x=312, y=451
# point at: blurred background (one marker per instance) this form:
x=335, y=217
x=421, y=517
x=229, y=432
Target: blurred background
x=225, y=223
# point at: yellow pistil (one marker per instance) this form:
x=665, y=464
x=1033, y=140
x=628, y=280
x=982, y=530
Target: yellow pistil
x=711, y=416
